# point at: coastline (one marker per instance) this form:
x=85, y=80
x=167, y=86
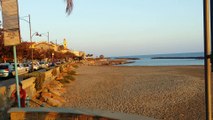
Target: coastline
x=162, y=92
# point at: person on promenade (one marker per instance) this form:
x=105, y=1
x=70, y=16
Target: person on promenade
x=22, y=96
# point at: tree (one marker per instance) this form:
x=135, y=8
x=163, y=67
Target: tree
x=101, y=56
x=6, y=52
x=24, y=51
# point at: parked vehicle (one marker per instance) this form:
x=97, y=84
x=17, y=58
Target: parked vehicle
x=52, y=64
x=36, y=66
x=27, y=67
x=43, y=64
x=6, y=70
x=20, y=67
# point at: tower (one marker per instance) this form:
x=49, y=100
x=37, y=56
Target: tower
x=65, y=43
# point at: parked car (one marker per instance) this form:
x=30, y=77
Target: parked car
x=27, y=67
x=43, y=64
x=52, y=64
x=6, y=70
x=36, y=66
x=20, y=67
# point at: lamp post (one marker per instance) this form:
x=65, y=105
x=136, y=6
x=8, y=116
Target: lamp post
x=48, y=39
x=34, y=34
x=29, y=21
x=47, y=35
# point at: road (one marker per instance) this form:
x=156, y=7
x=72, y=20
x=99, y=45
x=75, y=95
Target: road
x=10, y=81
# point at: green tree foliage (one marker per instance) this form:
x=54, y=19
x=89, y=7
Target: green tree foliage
x=101, y=56
x=6, y=53
x=24, y=50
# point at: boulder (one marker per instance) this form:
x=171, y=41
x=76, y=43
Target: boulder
x=56, y=91
x=53, y=102
x=46, y=96
x=56, y=97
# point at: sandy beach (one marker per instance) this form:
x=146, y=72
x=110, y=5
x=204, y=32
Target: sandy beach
x=175, y=92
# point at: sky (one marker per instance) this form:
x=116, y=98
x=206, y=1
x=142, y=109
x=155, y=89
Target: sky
x=118, y=27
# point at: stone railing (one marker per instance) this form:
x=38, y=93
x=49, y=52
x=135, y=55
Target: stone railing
x=69, y=114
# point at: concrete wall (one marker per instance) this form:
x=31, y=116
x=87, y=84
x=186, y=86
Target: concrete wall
x=28, y=84
x=69, y=114
x=49, y=76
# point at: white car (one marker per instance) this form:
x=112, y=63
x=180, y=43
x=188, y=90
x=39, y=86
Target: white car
x=20, y=67
x=35, y=66
x=43, y=64
x=6, y=70
x=27, y=67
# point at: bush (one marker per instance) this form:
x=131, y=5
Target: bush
x=64, y=81
x=69, y=77
x=72, y=72
x=75, y=66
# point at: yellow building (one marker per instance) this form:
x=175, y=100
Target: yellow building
x=45, y=46
x=59, y=48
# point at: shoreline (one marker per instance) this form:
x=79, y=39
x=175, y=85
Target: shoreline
x=122, y=62
x=170, y=92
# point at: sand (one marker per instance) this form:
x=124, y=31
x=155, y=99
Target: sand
x=175, y=92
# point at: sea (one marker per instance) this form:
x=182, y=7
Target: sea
x=147, y=60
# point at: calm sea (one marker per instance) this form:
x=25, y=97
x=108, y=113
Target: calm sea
x=146, y=60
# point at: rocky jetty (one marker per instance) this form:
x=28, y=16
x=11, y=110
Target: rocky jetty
x=177, y=57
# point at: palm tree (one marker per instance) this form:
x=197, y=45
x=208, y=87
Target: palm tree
x=69, y=6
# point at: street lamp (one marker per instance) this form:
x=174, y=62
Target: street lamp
x=47, y=35
x=29, y=21
x=34, y=34
x=48, y=38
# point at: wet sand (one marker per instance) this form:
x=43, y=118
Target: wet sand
x=175, y=92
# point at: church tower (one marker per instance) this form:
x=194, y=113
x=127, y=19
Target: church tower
x=65, y=43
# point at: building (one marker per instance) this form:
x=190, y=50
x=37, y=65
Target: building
x=58, y=48
x=45, y=46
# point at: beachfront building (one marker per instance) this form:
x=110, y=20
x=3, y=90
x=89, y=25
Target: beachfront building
x=51, y=46
x=45, y=46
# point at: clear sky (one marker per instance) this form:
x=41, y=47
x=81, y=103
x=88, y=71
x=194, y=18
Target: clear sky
x=118, y=27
